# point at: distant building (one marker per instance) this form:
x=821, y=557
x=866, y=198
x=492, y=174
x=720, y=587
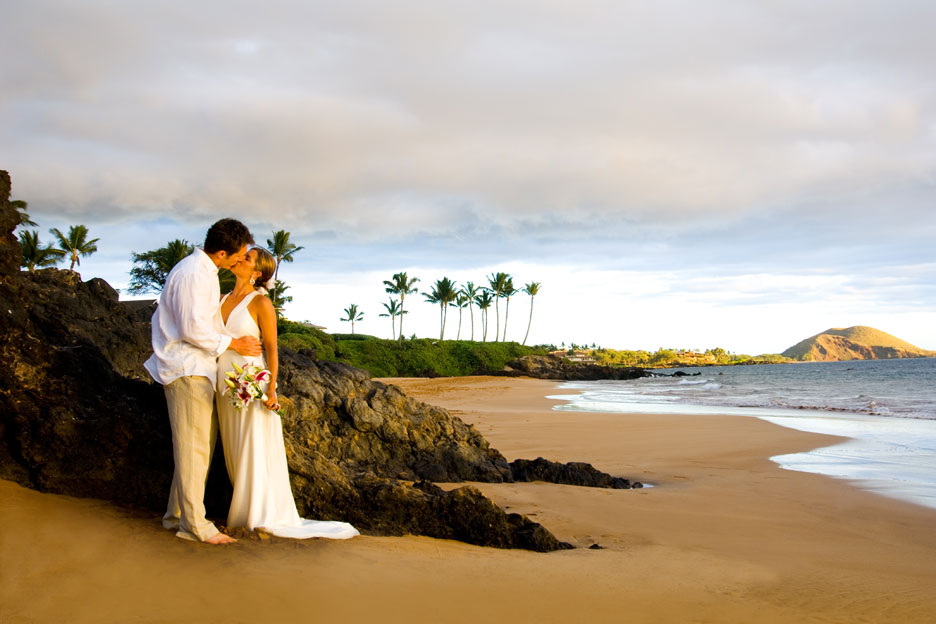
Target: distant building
x=584, y=357
x=694, y=356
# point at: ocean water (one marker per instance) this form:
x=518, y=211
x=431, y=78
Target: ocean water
x=886, y=407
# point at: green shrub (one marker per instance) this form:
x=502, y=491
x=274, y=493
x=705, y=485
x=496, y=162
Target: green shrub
x=424, y=357
x=297, y=336
x=416, y=357
x=354, y=337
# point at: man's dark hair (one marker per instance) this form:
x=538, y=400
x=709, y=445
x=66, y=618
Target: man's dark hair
x=228, y=235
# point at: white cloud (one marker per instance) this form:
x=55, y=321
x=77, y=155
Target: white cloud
x=657, y=112
x=711, y=156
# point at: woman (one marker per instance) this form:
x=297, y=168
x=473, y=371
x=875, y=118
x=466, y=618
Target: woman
x=254, y=451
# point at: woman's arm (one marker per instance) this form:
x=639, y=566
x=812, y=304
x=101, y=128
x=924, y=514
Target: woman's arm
x=266, y=320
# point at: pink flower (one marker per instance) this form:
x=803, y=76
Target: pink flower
x=244, y=384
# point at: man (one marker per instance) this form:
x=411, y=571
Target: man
x=188, y=336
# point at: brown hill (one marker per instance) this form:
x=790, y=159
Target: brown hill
x=854, y=343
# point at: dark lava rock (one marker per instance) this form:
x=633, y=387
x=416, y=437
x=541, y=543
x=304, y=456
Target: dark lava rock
x=77, y=415
x=463, y=514
x=10, y=251
x=555, y=367
x=366, y=426
x=572, y=473
x=80, y=416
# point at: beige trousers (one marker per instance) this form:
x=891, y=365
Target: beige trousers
x=194, y=420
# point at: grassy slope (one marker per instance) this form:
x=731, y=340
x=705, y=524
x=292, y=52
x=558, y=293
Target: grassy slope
x=420, y=357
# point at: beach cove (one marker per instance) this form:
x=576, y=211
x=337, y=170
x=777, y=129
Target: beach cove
x=724, y=536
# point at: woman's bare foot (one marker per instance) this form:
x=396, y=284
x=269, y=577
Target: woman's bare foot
x=220, y=538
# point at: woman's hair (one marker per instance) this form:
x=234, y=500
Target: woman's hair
x=228, y=235
x=266, y=264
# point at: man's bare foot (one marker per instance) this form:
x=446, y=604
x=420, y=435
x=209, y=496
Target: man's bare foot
x=220, y=538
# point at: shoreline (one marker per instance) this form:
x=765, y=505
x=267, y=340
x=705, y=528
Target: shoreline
x=726, y=535
x=891, y=455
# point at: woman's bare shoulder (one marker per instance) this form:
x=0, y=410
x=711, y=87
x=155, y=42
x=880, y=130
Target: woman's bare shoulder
x=261, y=302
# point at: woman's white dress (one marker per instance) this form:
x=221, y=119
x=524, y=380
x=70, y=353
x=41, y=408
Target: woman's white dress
x=255, y=454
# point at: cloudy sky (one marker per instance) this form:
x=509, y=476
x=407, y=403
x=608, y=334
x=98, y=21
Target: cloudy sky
x=676, y=173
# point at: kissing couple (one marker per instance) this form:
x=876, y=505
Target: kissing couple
x=198, y=336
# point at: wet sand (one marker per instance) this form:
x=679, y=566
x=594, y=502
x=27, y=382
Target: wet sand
x=724, y=536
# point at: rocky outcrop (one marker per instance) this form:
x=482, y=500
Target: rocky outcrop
x=367, y=426
x=555, y=367
x=10, y=251
x=572, y=473
x=80, y=416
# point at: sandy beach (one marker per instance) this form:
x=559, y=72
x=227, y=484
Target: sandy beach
x=724, y=535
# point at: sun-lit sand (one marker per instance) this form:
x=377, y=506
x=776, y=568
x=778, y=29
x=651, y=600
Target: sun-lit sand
x=724, y=536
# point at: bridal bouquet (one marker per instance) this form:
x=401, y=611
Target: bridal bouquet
x=243, y=384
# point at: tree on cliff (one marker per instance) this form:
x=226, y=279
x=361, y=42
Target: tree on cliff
x=498, y=282
x=281, y=249
x=443, y=293
x=531, y=289
x=401, y=285
x=471, y=291
x=151, y=268
x=35, y=255
x=483, y=300
x=278, y=297
x=352, y=315
x=508, y=292
x=393, y=310
x=461, y=302
x=76, y=243
x=24, y=219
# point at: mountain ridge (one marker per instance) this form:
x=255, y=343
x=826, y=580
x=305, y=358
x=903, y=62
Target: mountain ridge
x=858, y=342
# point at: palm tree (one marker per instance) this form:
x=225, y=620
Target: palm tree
x=353, y=315
x=483, y=300
x=278, y=297
x=24, y=219
x=443, y=293
x=508, y=291
x=151, y=268
x=174, y=252
x=75, y=244
x=393, y=310
x=497, y=282
x=401, y=285
x=461, y=302
x=471, y=291
x=35, y=255
x=281, y=249
x=531, y=289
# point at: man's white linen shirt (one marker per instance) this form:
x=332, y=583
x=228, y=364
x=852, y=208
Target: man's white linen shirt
x=188, y=331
